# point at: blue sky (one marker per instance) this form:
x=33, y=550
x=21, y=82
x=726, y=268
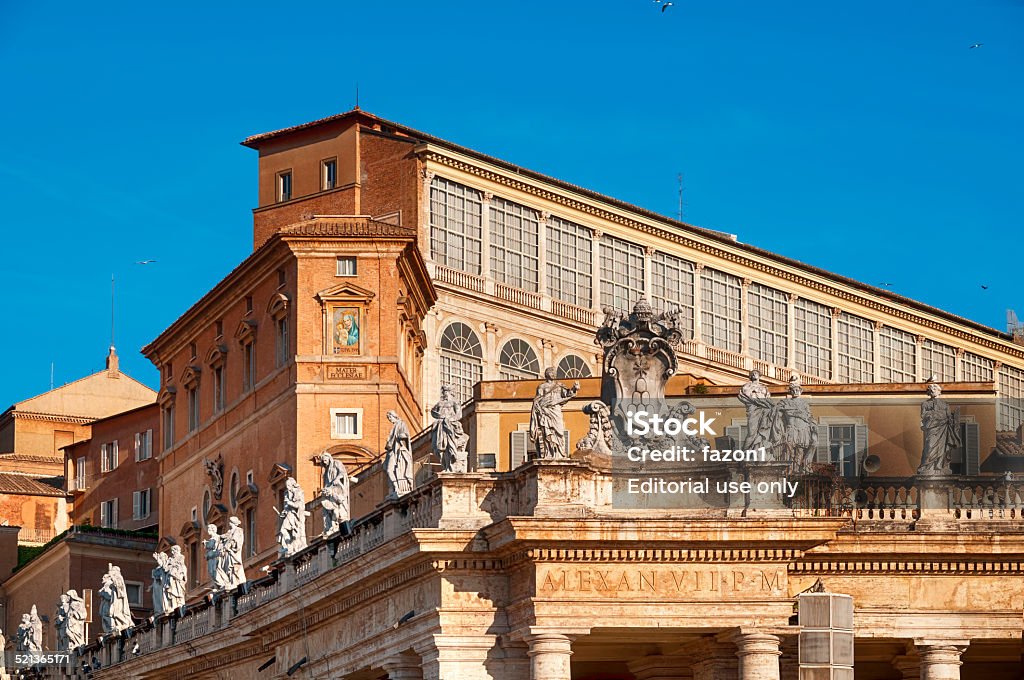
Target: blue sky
x=864, y=138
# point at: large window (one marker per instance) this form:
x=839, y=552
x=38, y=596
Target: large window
x=461, y=359
x=108, y=514
x=937, y=360
x=143, y=445
x=977, y=369
x=142, y=503
x=766, y=320
x=218, y=388
x=812, y=344
x=842, y=449
x=283, y=350
x=569, y=262
x=455, y=225
x=855, y=343
x=720, y=313
x=1011, y=398
x=897, y=356
x=248, y=365
x=193, y=407
x=514, y=254
x=622, y=273
x=518, y=360
x=572, y=366
x=672, y=288
x=168, y=414
x=108, y=456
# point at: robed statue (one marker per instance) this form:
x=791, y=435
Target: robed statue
x=398, y=457
x=176, y=580
x=232, y=542
x=334, y=492
x=291, y=528
x=30, y=632
x=941, y=427
x=547, y=427
x=215, y=562
x=800, y=432
x=448, y=439
x=75, y=623
x=115, y=611
x=764, y=425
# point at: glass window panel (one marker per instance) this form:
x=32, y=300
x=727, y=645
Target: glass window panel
x=622, y=273
x=1011, y=398
x=812, y=342
x=461, y=359
x=897, y=355
x=977, y=368
x=569, y=262
x=938, y=360
x=855, y=344
x=672, y=288
x=518, y=360
x=767, y=319
x=455, y=225
x=721, y=311
x=572, y=366
x=514, y=254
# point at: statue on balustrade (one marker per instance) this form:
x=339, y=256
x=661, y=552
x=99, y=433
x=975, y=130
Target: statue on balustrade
x=30, y=632
x=764, y=421
x=334, y=493
x=398, y=458
x=547, y=427
x=233, y=541
x=115, y=611
x=448, y=438
x=158, y=589
x=60, y=622
x=800, y=432
x=291, y=528
x=75, y=623
x=177, y=580
x=215, y=558
x=941, y=427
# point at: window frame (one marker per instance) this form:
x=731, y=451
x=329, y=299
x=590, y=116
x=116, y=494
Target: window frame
x=336, y=432
x=283, y=186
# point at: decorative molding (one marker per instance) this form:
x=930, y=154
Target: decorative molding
x=278, y=305
x=939, y=565
x=664, y=555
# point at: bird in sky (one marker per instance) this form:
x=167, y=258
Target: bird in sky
x=887, y=285
x=665, y=7
x=145, y=262
x=975, y=46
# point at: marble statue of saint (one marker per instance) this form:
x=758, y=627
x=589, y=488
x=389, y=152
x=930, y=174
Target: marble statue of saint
x=30, y=632
x=60, y=622
x=398, y=458
x=448, y=439
x=763, y=424
x=158, y=589
x=941, y=427
x=547, y=428
x=76, y=620
x=231, y=554
x=800, y=432
x=106, y=594
x=177, y=580
x=334, y=493
x=291, y=528
x=120, y=609
x=215, y=558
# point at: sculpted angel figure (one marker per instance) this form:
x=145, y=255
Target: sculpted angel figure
x=448, y=438
x=941, y=427
x=547, y=427
x=334, y=494
x=398, y=457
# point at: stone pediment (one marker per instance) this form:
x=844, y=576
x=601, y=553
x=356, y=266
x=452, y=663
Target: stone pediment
x=166, y=396
x=346, y=292
x=190, y=376
x=246, y=330
x=279, y=473
x=189, y=531
x=216, y=356
x=166, y=542
x=278, y=305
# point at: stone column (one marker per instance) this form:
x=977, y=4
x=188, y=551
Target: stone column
x=648, y=254
x=958, y=365
x=876, y=351
x=919, y=359
x=465, y=657
x=834, y=369
x=940, y=661
x=542, y=259
x=485, y=241
x=595, y=278
x=745, y=323
x=759, y=656
x=698, y=304
x=549, y=656
x=661, y=667
x=791, y=300
x=405, y=666
x=424, y=225
x=908, y=665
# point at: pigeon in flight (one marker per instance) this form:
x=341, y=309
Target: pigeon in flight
x=145, y=262
x=984, y=287
x=665, y=7
x=887, y=285
x=975, y=46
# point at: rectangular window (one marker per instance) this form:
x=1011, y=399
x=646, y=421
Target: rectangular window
x=346, y=266
x=218, y=389
x=141, y=501
x=897, y=356
x=938, y=360
x=346, y=423
x=455, y=225
x=721, y=314
x=282, y=341
x=977, y=368
x=108, y=514
x=143, y=445
x=842, y=446
x=108, y=456
x=248, y=366
x=622, y=273
x=134, y=592
x=218, y=328
x=284, y=186
x=672, y=286
x=80, y=473
x=570, y=262
x=812, y=342
x=856, y=348
x=514, y=253
x=248, y=304
x=193, y=408
x=328, y=174
x=767, y=318
x=168, y=427
x=1011, y=398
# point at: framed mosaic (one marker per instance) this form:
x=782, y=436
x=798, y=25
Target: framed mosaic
x=345, y=325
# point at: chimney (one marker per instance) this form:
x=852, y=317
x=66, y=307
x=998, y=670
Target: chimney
x=112, y=364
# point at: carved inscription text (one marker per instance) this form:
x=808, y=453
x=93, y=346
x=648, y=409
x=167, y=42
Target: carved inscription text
x=684, y=581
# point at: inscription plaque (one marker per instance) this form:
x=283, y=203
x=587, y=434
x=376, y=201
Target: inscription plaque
x=684, y=581
x=346, y=372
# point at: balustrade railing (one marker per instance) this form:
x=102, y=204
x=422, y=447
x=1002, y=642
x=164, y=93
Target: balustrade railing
x=516, y=295
x=572, y=312
x=458, y=278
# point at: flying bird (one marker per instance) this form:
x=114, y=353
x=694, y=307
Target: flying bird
x=887, y=285
x=665, y=7
x=145, y=261
x=984, y=287
x=975, y=46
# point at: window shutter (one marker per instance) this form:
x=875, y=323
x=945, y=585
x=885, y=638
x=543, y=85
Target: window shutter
x=519, y=444
x=149, y=443
x=972, y=448
x=138, y=446
x=822, y=455
x=113, y=514
x=113, y=455
x=136, y=504
x=105, y=513
x=861, y=444
x=103, y=458
x=565, y=436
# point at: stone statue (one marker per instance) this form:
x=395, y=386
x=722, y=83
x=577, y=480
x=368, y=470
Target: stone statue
x=291, y=528
x=334, y=493
x=448, y=439
x=60, y=622
x=398, y=458
x=30, y=632
x=115, y=611
x=158, y=589
x=764, y=427
x=547, y=428
x=75, y=626
x=215, y=469
x=800, y=432
x=232, y=543
x=599, y=437
x=941, y=426
x=177, y=580
x=215, y=558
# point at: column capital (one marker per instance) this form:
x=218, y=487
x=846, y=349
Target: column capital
x=793, y=298
x=940, y=659
x=549, y=654
x=428, y=175
x=836, y=312
x=405, y=666
x=756, y=643
x=486, y=196
x=908, y=665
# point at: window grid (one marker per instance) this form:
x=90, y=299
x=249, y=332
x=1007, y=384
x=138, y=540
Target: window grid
x=672, y=288
x=622, y=273
x=897, y=356
x=461, y=359
x=518, y=360
x=572, y=366
x=1011, y=398
x=843, y=449
x=721, y=313
x=569, y=262
x=855, y=342
x=514, y=250
x=767, y=317
x=812, y=344
x=455, y=225
x=938, y=360
x=977, y=368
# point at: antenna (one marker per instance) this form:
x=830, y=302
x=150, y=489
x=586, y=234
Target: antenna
x=679, y=177
x=51, y=376
x=111, y=310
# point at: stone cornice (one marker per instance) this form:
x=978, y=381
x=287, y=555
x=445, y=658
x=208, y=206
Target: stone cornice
x=667, y=555
x=51, y=417
x=733, y=253
x=938, y=566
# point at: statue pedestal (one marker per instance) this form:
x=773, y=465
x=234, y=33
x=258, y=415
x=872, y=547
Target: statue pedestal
x=557, y=488
x=933, y=502
x=768, y=490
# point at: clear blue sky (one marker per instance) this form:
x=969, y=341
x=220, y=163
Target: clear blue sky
x=864, y=138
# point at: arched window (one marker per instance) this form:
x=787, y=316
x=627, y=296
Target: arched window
x=518, y=360
x=461, y=359
x=234, y=489
x=572, y=366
